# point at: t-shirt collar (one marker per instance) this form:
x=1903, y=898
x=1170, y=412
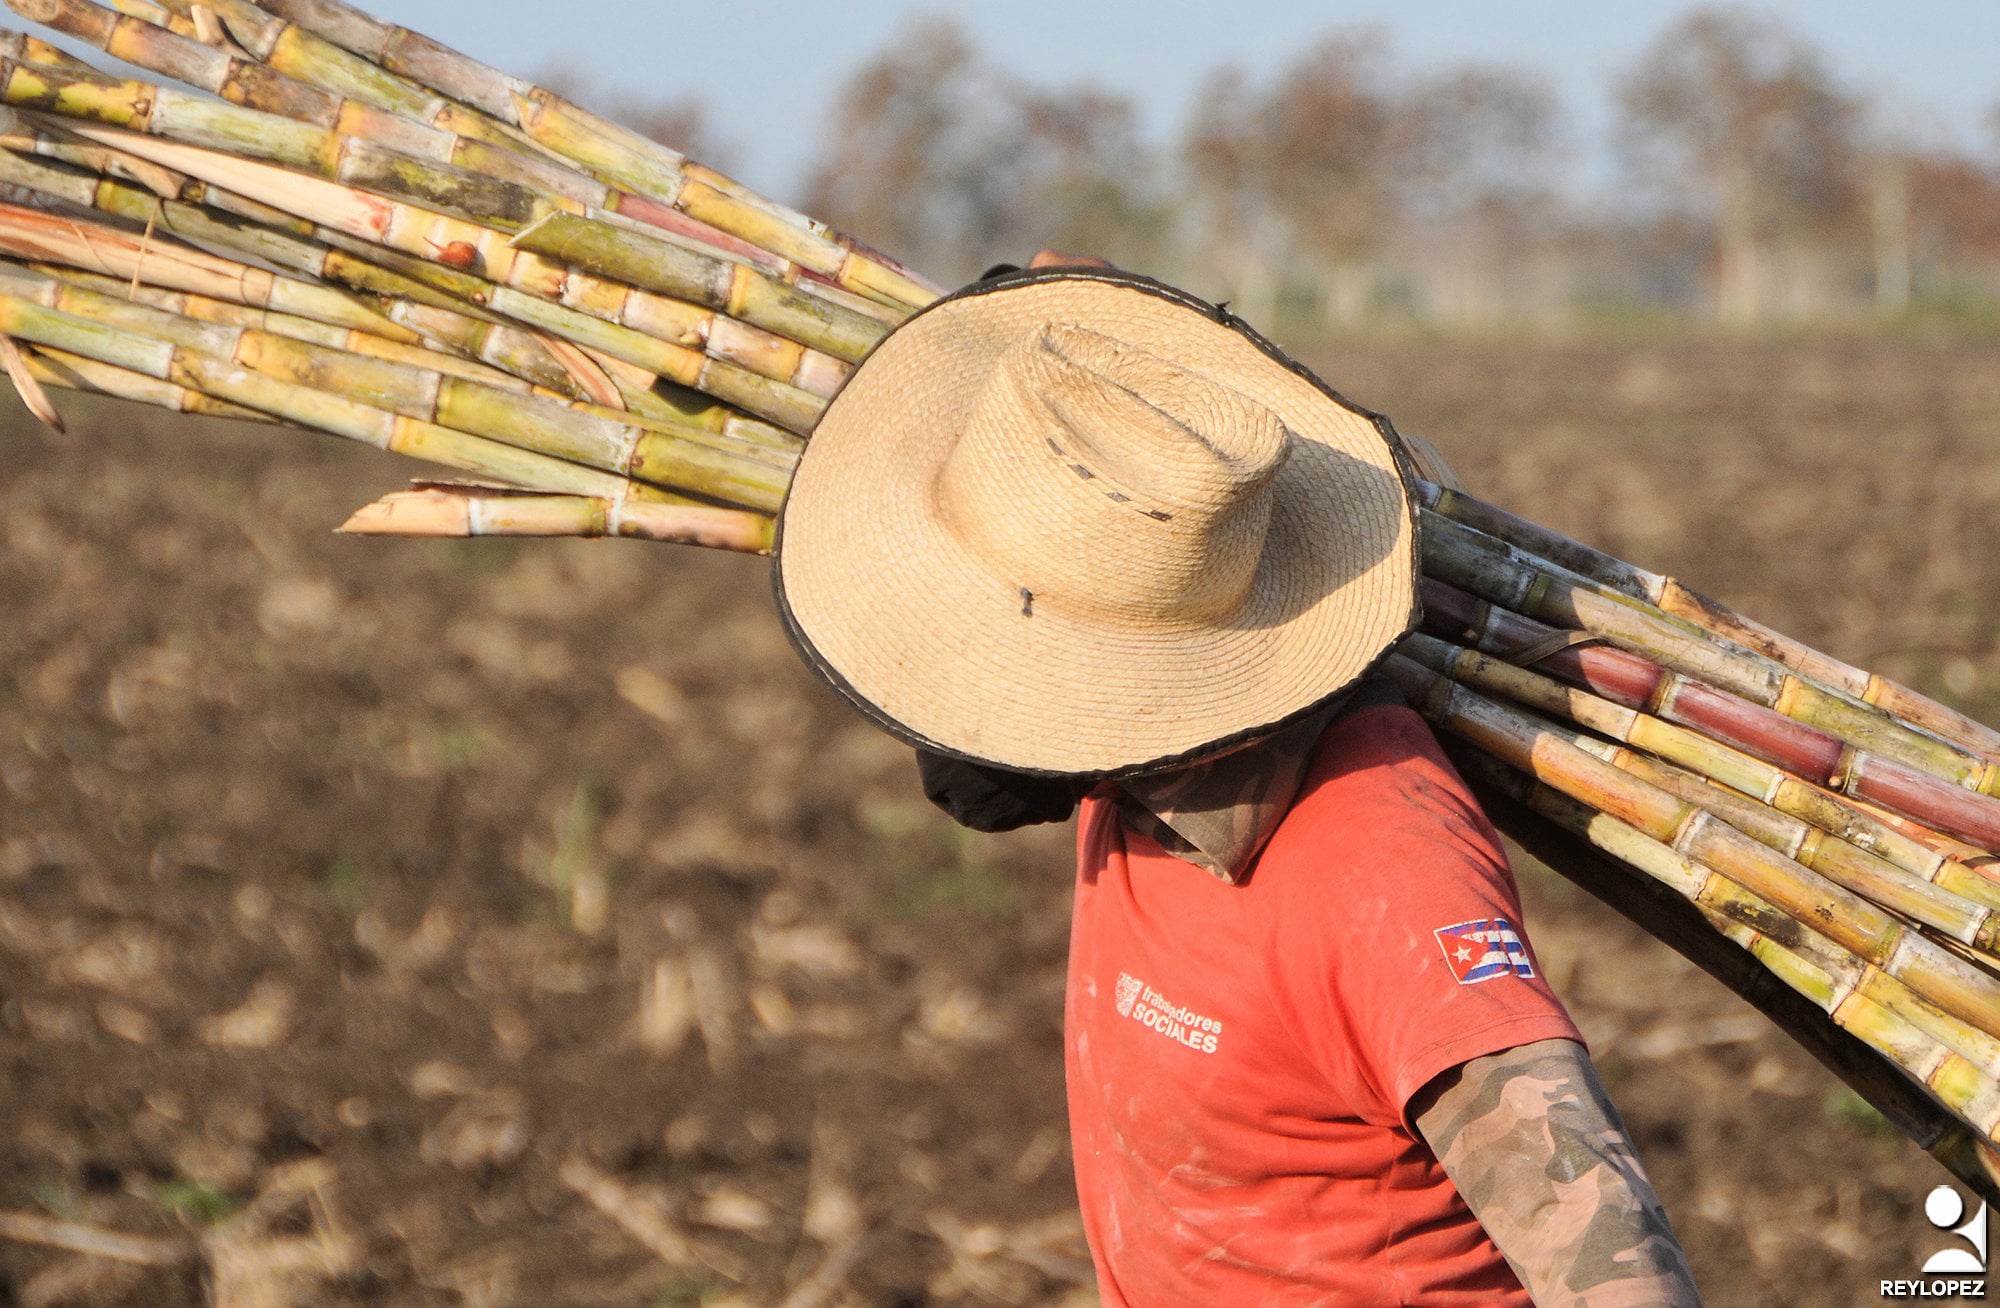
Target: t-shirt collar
x=1218, y=815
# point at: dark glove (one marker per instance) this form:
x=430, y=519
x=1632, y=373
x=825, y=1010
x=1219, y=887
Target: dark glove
x=995, y=799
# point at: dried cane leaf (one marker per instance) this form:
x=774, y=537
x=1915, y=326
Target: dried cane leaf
x=592, y=380
x=30, y=390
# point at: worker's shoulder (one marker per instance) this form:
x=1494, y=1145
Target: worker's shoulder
x=1374, y=744
x=1379, y=771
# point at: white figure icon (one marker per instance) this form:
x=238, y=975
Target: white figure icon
x=1943, y=1207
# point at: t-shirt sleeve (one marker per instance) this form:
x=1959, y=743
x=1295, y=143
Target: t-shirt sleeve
x=1405, y=953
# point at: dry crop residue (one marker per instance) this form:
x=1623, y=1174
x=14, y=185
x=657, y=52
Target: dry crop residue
x=494, y=922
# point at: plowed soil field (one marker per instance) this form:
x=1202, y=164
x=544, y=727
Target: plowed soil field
x=492, y=923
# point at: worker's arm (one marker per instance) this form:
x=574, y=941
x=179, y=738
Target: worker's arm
x=1533, y=1144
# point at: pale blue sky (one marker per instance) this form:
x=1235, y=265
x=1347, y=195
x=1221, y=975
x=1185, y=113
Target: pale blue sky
x=768, y=69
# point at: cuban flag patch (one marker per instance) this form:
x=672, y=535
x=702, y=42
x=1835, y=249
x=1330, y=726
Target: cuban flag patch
x=1481, y=950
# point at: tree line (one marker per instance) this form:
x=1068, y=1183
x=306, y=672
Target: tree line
x=1754, y=184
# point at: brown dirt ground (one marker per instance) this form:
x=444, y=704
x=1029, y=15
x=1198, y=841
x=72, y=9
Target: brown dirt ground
x=517, y=922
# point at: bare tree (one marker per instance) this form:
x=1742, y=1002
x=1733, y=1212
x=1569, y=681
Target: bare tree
x=1888, y=183
x=1301, y=171
x=1087, y=181
x=1736, y=107
x=1222, y=155
x=1480, y=138
x=1481, y=146
x=1332, y=148
x=1954, y=212
x=939, y=157
x=1933, y=208
x=913, y=150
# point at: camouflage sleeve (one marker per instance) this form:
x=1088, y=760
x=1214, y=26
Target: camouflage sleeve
x=1532, y=1142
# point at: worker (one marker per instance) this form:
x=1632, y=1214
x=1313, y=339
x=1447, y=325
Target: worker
x=1082, y=538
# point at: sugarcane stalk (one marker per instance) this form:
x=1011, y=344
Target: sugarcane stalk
x=376, y=119
x=634, y=325
x=512, y=349
x=31, y=235
x=24, y=134
x=202, y=309
x=663, y=401
x=1858, y=925
x=674, y=460
x=1909, y=790
x=335, y=71
x=1682, y=601
x=375, y=116
x=1633, y=681
x=138, y=42
x=616, y=156
x=307, y=406
x=1848, y=854
x=613, y=153
x=436, y=511
x=405, y=54
x=1467, y=510
x=1663, y=913
x=73, y=372
x=22, y=48
x=1636, y=682
x=1927, y=1044
x=162, y=110
x=1953, y=1062
x=1839, y=983
x=686, y=460
x=102, y=298
x=1972, y=921
x=1934, y=842
x=439, y=318
x=165, y=115
x=487, y=208
x=1711, y=755
x=486, y=146
x=1957, y=1064
x=302, y=54
x=698, y=277
x=605, y=149
x=1505, y=575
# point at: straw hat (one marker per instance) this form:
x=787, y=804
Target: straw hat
x=1080, y=522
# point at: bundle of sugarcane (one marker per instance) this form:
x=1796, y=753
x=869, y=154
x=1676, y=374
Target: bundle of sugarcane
x=358, y=230
x=1835, y=824
x=372, y=235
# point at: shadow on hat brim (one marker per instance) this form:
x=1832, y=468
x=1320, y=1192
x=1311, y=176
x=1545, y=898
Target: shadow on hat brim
x=886, y=604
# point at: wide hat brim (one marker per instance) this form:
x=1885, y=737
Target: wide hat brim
x=935, y=645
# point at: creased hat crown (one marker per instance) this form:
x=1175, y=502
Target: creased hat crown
x=1094, y=475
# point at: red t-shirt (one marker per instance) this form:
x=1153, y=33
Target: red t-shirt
x=1241, y=1056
